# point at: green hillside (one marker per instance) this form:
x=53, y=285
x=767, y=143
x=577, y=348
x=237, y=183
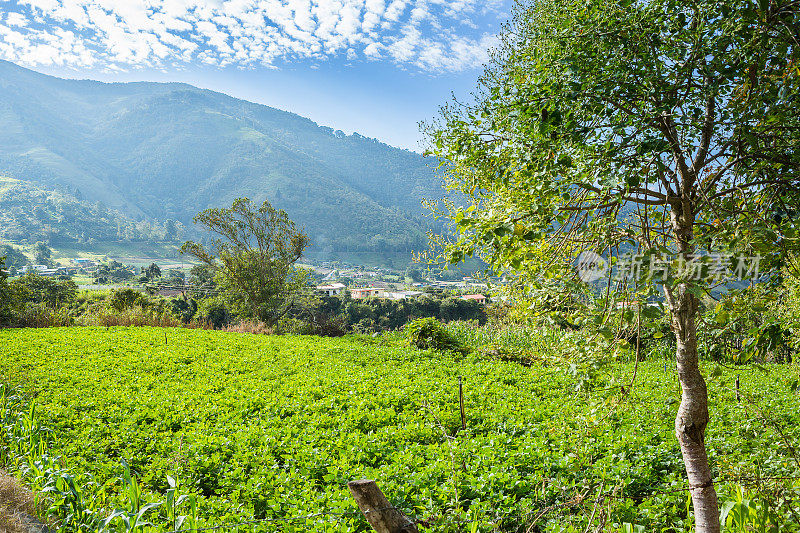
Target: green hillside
x=166, y=151
x=30, y=213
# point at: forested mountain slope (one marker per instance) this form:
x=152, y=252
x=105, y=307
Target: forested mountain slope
x=30, y=213
x=156, y=151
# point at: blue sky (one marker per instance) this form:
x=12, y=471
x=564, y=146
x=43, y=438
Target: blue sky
x=373, y=66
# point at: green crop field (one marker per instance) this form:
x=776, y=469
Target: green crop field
x=271, y=428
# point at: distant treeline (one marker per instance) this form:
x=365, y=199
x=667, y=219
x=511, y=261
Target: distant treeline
x=36, y=301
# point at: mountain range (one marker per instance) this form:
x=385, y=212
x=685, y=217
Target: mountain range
x=158, y=153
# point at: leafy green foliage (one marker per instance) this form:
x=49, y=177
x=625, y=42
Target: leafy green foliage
x=369, y=315
x=273, y=427
x=184, y=308
x=758, y=323
x=36, y=289
x=663, y=127
x=42, y=254
x=5, y=295
x=124, y=299
x=430, y=334
x=750, y=512
x=254, y=256
x=151, y=272
x=214, y=311
x=14, y=258
x=113, y=271
x=595, y=119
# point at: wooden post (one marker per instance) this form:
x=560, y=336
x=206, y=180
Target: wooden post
x=381, y=515
x=461, y=404
x=738, y=398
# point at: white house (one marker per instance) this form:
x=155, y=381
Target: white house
x=402, y=295
x=32, y=268
x=334, y=289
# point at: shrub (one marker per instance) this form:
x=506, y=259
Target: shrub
x=365, y=325
x=37, y=289
x=124, y=299
x=294, y=326
x=214, y=312
x=184, y=308
x=755, y=323
x=329, y=326
x=430, y=334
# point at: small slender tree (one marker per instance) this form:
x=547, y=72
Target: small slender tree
x=666, y=126
x=254, y=256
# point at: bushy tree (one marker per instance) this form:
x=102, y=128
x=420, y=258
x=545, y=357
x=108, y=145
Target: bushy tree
x=113, y=270
x=215, y=312
x=184, y=308
x=42, y=254
x=430, y=334
x=152, y=272
x=254, y=255
x=36, y=289
x=202, y=275
x=124, y=299
x=5, y=295
x=664, y=126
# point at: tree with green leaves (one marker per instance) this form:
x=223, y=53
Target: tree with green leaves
x=667, y=127
x=42, y=254
x=152, y=272
x=53, y=293
x=254, y=256
x=5, y=295
x=203, y=275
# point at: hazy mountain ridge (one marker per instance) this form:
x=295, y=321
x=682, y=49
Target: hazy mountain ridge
x=157, y=151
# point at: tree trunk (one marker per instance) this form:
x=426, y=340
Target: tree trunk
x=692, y=417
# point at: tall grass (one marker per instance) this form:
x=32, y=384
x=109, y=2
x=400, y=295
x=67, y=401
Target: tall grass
x=41, y=316
x=249, y=326
x=131, y=317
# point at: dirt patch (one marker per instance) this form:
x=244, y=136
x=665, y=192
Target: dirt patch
x=17, y=507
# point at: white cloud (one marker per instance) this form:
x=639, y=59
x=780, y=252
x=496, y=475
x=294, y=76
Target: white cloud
x=16, y=19
x=431, y=35
x=373, y=51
